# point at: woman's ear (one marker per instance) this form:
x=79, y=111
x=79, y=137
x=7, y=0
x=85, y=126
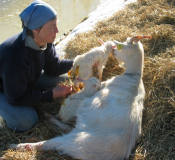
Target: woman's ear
x=36, y=32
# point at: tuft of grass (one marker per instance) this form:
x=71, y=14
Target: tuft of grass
x=146, y=17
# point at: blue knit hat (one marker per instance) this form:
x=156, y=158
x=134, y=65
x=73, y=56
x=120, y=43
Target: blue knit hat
x=36, y=15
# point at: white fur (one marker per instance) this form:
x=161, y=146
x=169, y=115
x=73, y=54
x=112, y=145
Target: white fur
x=97, y=56
x=71, y=104
x=109, y=122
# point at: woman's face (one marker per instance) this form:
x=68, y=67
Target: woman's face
x=47, y=33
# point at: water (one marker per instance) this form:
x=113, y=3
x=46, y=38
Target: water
x=70, y=13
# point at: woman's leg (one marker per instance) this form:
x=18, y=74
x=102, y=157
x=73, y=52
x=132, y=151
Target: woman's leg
x=22, y=118
x=18, y=118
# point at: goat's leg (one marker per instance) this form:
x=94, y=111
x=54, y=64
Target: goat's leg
x=95, y=69
x=100, y=73
x=28, y=146
x=64, y=127
x=100, y=76
x=52, y=144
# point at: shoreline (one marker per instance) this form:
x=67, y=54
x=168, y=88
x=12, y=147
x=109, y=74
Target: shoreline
x=103, y=11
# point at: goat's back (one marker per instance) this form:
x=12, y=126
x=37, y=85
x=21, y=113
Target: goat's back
x=86, y=61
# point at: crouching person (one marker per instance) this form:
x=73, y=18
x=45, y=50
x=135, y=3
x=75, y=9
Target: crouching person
x=30, y=69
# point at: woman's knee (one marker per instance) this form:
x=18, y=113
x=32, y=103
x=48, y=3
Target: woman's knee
x=18, y=118
x=25, y=122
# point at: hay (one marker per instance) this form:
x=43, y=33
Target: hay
x=146, y=17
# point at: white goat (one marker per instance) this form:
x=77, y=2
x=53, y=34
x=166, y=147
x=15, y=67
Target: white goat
x=94, y=60
x=71, y=104
x=109, y=122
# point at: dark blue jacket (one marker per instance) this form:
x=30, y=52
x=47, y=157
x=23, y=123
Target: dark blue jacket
x=20, y=69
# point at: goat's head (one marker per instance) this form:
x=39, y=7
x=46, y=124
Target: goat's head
x=131, y=53
x=129, y=49
x=109, y=46
x=125, y=50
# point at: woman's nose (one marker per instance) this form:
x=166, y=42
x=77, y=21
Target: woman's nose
x=56, y=30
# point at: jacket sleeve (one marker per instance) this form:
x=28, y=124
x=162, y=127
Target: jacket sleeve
x=17, y=88
x=53, y=65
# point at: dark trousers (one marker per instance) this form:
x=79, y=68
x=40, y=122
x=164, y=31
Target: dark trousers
x=22, y=118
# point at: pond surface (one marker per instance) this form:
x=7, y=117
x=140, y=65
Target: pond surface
x=70, y=13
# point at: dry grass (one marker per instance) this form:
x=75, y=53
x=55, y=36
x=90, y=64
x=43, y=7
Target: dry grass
x=148, y=17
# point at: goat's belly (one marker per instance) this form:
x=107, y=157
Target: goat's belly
x=111, y=112
x=105, y=115
x=111, y=107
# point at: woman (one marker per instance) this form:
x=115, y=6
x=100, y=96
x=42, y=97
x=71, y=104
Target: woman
x=30, y=69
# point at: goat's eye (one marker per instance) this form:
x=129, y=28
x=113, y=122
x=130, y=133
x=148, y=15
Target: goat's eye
x=120, y=46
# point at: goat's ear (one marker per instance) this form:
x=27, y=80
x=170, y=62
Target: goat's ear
x=137, y=38
x=101, y=41
x=118, y=45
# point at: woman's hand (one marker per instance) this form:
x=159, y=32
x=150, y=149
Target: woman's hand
x=62, y=91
